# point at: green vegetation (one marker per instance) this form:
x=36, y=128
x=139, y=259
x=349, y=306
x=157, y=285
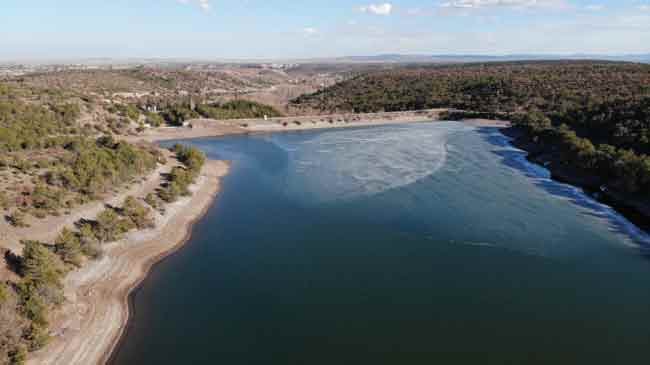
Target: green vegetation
x=153, y=119
x=52, y=162
x=620, y=165
x=17, y=219
x=152, y=200
x=181, y=178
x=110, y=227
x=24, y=310
x=98, y=166
x=68, y=247
x=26, y=126
x=549, y=86
x=192, y=157
x=125, y=110
x=12, y=325
x=137, y=213
x=176, y=114
x=237, y=109
x=39, y=290
x=590, y=117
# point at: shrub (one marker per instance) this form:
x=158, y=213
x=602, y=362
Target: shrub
x=12, y=325
x=4, y=200
x=17, y=219
x=109, y=227
x=68, y=247
x=152, y=200
x=89, y=243
x=42, y=270
x=137, y=213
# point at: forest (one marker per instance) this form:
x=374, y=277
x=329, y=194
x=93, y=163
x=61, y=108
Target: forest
x=176, y=114
x=591, y=117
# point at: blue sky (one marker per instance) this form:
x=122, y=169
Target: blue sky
x=207, y=29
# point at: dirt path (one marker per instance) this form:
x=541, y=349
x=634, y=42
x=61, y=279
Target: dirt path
x=214, y=128
x=91, y=322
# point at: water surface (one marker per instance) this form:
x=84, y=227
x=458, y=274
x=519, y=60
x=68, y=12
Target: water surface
x=417, y=244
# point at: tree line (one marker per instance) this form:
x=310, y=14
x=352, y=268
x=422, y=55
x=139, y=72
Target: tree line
x=593, y=116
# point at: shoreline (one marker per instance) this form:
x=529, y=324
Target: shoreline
x=635, y=211
x=105, y=334
x=98, y=309
x=95, y=338
x=108, y=357
x=202, y=128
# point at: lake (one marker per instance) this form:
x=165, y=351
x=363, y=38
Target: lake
x=412, y=244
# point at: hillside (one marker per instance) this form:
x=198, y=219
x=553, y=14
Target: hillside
x=504, y=87
x=66, y=180
x=589, y=122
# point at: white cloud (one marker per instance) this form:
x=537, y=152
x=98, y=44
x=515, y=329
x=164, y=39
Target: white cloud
x=203, y=4
x=595, y=7
x=377, y=9
x=644, y=7
x=309, y=31
x=477, y=4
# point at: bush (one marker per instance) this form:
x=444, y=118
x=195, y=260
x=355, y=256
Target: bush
x=4, y=200
x=109, y=227
x=17, y=219
x=12, y=325
x=42, y=270
x=137, y=213
x=191, y=157
x=68, y=247
x=89, y=243
x=38, y=291
x=237, y=109
x=155, y=120
x=152, y=200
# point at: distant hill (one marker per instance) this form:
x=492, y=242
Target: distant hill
x=467, y=58
x=370, y=59
x=496, y=86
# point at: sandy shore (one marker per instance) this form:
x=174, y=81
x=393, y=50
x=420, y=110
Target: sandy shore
x=215, y=128
x=90, y=324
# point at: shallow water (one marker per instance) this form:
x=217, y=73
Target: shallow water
x=395, y=245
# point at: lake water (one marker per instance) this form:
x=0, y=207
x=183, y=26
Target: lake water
x=414, y=244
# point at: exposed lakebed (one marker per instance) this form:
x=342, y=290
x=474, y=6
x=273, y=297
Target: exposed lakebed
x=394, y=245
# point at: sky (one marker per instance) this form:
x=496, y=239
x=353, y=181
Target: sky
x=284, y=29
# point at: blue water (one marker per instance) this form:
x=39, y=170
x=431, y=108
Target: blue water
x=417, y=244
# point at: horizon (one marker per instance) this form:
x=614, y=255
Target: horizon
x=404, y=58
x=280, y=30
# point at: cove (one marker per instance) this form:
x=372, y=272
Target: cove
x=421, y=243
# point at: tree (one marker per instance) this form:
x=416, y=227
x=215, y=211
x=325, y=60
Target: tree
x=89, y=242
x=11, y=328
x=68, y=247
x=110, y=227
x=41, y=266
x=137, y=213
